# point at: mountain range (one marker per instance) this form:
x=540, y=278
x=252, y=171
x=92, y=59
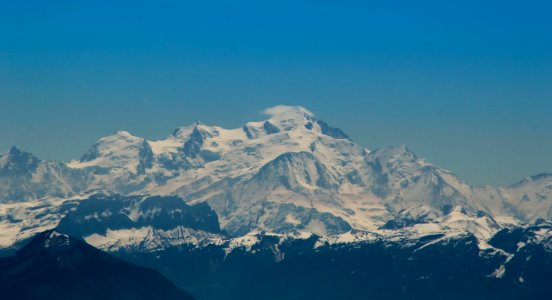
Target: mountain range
x=206, y=201
x=289, y=172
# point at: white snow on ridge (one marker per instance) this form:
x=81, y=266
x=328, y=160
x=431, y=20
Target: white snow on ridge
x=19, y=221
x=148, y=239
x=169, y=145
x=118, y=150
x=288, y=173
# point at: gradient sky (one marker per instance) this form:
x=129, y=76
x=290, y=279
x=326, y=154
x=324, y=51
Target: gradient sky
x=465, y=84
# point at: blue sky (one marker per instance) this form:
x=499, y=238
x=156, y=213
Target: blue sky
x=465, y=84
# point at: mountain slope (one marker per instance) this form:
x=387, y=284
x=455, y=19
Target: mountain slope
x=56, y=266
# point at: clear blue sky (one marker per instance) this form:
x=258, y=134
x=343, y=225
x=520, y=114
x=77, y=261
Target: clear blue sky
x=465, y=84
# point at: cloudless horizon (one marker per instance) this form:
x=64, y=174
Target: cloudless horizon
x=465, y=85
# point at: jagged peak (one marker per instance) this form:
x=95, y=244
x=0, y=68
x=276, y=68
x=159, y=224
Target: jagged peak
x=14, y=150
x=195, y=129
x=18, y=160
x=204, y=130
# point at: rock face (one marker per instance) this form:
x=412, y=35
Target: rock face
x=289, y=172
x=139, y=223
x=56, y=266
x=101, y=213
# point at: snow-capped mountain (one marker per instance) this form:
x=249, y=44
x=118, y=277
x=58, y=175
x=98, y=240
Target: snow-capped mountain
x=117, y=162
x=290, y=172
x=456, y=254
x=25, y=177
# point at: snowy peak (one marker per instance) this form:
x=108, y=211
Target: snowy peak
x=194, y=142
x=16, y=161
x=197, y=130
x=120, y=150
x=25, y=177
x=204, y=131
x=187, y=146
x=289, y=118
x=112, y=146
x=405, y=181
